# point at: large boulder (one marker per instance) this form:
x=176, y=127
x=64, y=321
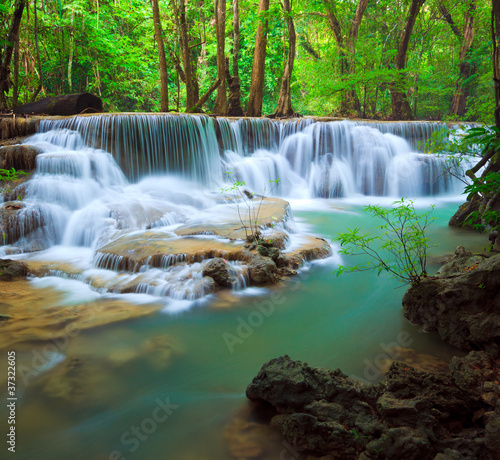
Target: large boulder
x=409, y=415
x=461, y=303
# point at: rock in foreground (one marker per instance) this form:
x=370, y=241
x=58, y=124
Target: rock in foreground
x=461, y=303
x=410, y=415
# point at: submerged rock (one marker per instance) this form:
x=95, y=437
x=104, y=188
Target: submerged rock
x=461, y=303
x=10, y=269
x=409, y=415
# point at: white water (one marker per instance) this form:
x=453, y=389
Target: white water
x=80, y=198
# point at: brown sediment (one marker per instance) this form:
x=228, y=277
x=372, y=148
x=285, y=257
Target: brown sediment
x=34, y=315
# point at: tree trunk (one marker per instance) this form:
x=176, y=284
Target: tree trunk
x=69, y=104
x=220, y=106
x=462, y=89
x=284, y=108
x=15, y=92
x=70, y=46
x=192, y=89
x=400, y=106
x=197, y=107
x=12, y=38
x=37, y=47
x=234, y=98
x=349, y=102
x=495, y=26
x=256, y=96
x=161, y=56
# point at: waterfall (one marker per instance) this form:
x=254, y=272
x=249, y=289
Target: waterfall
x=324, y=159
x=121, y=180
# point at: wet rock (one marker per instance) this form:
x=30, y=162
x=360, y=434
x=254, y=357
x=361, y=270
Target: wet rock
x=462, y=305
x=408, y=415
x=10, y=269
x=262, y=270
x=218, y=270
x=20, y=157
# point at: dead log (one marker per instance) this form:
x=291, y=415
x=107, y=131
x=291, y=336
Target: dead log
x=197, y=107
x=69, y=104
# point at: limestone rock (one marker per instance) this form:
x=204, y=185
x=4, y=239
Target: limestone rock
x=462, y=304
x=262, y=270
x=410, y=414
x=218, y=270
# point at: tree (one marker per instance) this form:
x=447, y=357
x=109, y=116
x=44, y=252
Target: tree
x=400, y=106
x=188, y=72
x=466, y=70
x=400, y=249
x=259, y=61
x=234, y=98
x=346, y=52
x=12, y=38
x=220, y=106
x=284, y=108
x=161, y=57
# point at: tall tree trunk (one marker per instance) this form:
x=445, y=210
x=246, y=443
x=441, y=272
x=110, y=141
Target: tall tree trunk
x=161, y=56
x=220, y=106
x=284, y=108
x=12, y=38
x=70, y=51
x=234, y=98
x=192, y=89
x=37, y=48
x=256, y=96
x=349, y=102
x=495, y=29
x=401, y=109
x=462, y=89
x=15, y=92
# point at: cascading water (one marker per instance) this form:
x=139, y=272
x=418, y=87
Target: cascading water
x=112, y=178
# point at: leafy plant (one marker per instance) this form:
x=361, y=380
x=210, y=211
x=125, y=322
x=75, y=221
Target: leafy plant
x=402, y=238
x=11, y=174
x=251, y=226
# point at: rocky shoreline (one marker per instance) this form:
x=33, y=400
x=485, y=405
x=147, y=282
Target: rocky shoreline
x=411, y=414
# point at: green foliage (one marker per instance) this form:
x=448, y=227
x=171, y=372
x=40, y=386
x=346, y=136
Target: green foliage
x=488, y=187
x=11, y=174
x=401, y=247
x=108, y=48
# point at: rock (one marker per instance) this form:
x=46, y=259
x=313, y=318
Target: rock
x=493, y=432
x=20, y=157
x=10, y=269
x=410, y=414
x=218, y=270
x=462, y=304
x=262, y=270
x=461, y=263
x=464, y=211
